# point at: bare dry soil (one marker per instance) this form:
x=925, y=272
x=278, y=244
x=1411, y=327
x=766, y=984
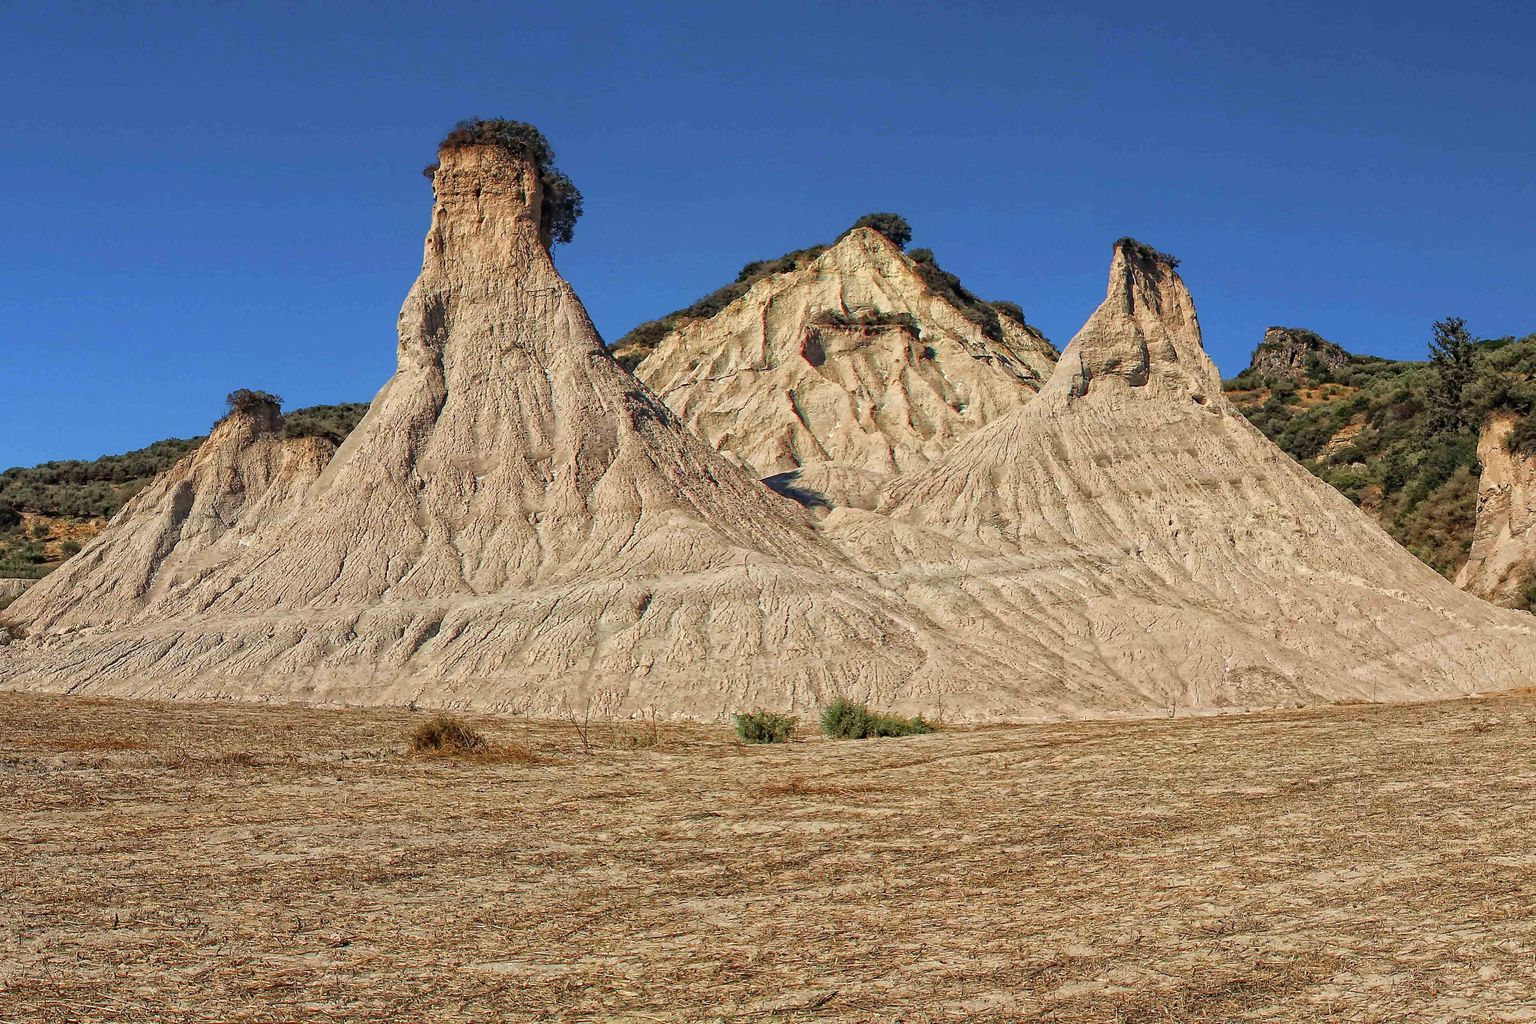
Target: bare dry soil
x=169, y=862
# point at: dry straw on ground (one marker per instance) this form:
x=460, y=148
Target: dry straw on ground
x=1360, y=863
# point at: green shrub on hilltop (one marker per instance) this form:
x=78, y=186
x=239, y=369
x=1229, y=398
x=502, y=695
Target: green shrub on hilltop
x=1146, y=252
x=248, y=400
x=562, y=206
x=892, y=225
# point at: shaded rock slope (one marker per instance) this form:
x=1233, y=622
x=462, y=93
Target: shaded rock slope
x=516, y=523
x=1133, y=526
x=161, y=537
x=73, y=499
x=1502, y=565
x=838, y=374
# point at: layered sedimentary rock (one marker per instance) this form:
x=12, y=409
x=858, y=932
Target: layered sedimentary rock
x=516, y=523
x=1133, y=526
x=833, y=377
x=1502, y=564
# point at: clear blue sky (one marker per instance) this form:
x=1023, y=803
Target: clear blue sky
x=201, y=197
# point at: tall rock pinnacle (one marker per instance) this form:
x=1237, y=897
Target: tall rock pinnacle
x=516, y=522
x=1144, y=334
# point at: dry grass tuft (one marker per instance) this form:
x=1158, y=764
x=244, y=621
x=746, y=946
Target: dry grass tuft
x=95, y=744
x=505, y=753
x=797, y=785
x=446, y=735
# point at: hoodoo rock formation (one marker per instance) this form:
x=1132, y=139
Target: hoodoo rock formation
x=1135, y=530
x=516, y=523
x=1502, y=564
x=833, y=377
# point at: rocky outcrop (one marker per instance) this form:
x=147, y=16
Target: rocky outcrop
x=1138, y=542
x=1502, y=564
x=13, y=588
x=1290, y=351
x=834, y=376
x=517, y=523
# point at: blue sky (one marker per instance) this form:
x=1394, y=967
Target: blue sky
x=201, y=197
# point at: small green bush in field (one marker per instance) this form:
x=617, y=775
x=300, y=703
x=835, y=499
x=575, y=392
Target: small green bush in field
x=764, y=727
x=845, y=720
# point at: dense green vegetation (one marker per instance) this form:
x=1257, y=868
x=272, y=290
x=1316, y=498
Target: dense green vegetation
x=332, y=422
x=562, y=204
x=85, y=489
x=764, y=727
x=1522, y=439
x=1412, y=458
x=640, y=341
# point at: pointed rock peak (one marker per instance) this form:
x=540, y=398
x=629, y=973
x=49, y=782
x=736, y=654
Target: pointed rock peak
x=1145, y=333
x=863, y=239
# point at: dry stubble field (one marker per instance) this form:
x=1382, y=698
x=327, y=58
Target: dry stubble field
x=166, y=862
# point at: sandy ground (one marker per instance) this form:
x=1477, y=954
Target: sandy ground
x=169, y=862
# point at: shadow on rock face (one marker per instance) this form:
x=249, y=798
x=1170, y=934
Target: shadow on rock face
x=787, y=484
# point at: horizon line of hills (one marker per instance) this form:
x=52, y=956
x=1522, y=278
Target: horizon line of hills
x=1373, y=427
